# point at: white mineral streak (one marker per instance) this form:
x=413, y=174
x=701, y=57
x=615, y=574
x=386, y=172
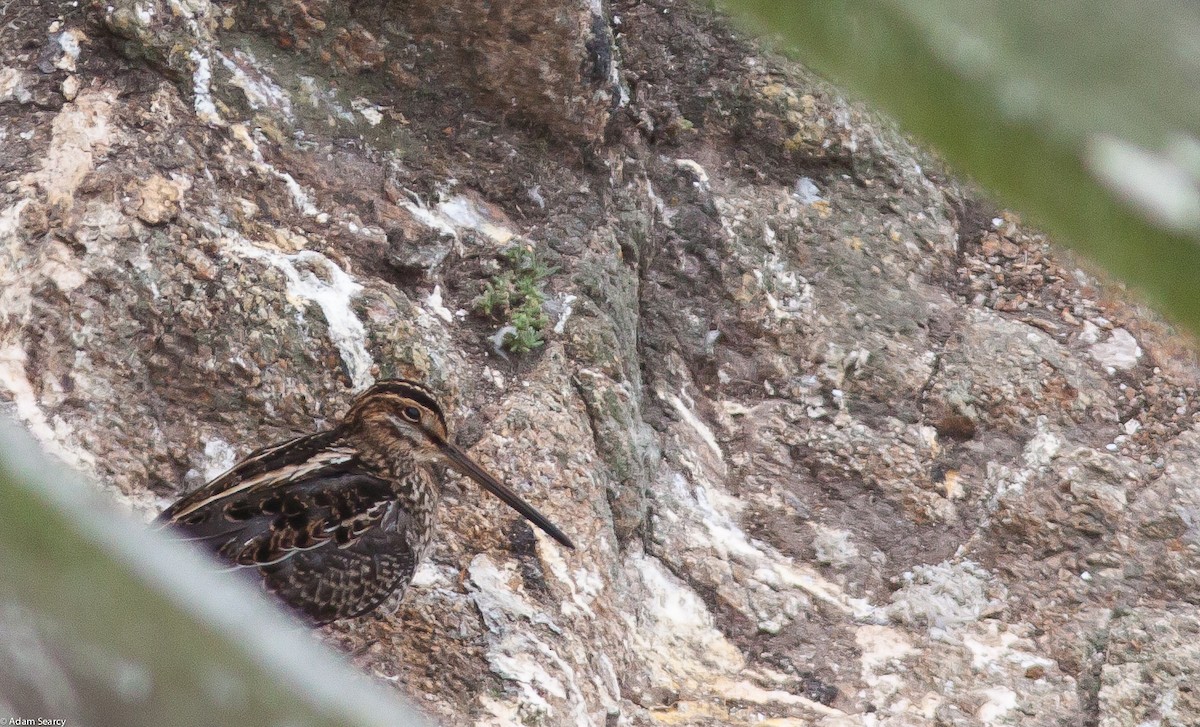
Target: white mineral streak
x=806, y=191
x=14, y=84
x=950, y=602
x=373, y=113
x=299, y=197
x=1000, y=701
x=531, y=678
x=993, y=650
x=68, y=42
x=787, y=292
x=697, y=171
x=608, y=686
x=14, y=280
x=577, y=703
x=434, y=302
x=50, y=433
x=614, y=71
x=1043, y=447
x=1121, y=351
x=333, y=291
x=584, y=585
x=465, y=214
x=673, y=629
x=674, y=633
x=496, y=598
x=498, y=340
x=517, y=654
x=260, y=90
x=656, y=201
x=454, y=214
x=1007, y=482
x=884, y=650
x=80, y=134
x=710, y=507
x=203, y=104
x=431, y=217
x=429, y=574
x=502, y=714
x=746, y=692
x=535, y=195
x=706, y=434
x=219, y=457
x=15, y=300
x=568, y=302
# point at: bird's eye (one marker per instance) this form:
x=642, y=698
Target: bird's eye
x=412, y=413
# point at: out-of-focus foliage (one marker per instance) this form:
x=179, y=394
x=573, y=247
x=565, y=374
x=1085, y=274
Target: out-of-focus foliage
x=103, y=622
x=1084, y=114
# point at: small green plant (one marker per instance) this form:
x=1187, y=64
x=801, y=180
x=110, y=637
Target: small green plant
x=516, y=295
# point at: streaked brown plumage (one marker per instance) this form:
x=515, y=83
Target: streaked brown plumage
x=336, y=522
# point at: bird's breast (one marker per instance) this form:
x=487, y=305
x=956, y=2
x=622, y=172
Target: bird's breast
x=417, y=496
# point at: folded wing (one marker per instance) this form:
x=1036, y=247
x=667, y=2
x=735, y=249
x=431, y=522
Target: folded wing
x=328, y=538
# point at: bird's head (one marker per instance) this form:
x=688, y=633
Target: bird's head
x=403, y=417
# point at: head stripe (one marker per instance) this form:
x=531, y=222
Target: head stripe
x=409, y=390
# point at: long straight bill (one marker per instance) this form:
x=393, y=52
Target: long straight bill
x=464, y=464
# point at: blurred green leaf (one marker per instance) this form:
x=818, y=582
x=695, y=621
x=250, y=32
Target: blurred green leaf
x=1084, y=114
x=104, y=622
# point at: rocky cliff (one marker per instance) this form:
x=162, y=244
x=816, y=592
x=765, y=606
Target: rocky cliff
x=840, y=443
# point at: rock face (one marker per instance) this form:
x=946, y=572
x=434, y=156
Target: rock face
x=840, y=444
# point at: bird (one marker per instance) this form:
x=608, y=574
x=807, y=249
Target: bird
x=336, y=522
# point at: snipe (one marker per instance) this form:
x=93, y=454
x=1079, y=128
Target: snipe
x=336, y=522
